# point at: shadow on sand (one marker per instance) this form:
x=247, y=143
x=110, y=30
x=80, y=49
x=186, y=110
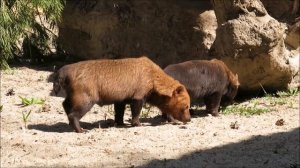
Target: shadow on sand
x=64, y=127
x=277, y=150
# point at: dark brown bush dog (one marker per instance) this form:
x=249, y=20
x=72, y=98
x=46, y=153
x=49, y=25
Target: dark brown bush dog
x=133, y=81
x=208, y=80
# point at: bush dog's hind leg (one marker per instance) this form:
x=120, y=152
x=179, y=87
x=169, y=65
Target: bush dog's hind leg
x=212, y=103
x=136, y=107
x=119, y=113
x=75, y=111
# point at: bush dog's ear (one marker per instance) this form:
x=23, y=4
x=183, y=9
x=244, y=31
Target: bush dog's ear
x=167, y=86
x=178, y=90
x=163, y=88
x=237, y=79
x=233, y=79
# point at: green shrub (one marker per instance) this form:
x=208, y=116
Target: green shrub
x=18, y=21
x=289, y=92
x=242, y=110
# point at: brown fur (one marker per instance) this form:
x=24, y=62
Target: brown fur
x=232, y=79
x=208, y=80
x=118, y=82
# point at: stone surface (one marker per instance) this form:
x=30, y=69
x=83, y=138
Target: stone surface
x=293, y=36
x=251, y=43
x=166, y=30
x=207, y=23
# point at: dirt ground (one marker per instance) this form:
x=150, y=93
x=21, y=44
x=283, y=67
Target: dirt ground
x=204, y=142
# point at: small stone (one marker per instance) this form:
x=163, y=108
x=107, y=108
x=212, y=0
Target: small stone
x=279, y=122
x=46, y=108
x=10, y=92
x=234, y=125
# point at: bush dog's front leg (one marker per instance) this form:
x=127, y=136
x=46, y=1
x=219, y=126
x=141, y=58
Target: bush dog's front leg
x=136, y=107
x=119, y=113
x=212, y=103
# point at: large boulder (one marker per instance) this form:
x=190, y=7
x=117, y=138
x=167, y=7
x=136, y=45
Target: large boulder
x=293, y=36
x=251, y=43
x=292, y=42
x=207, y=25
x=165, y=30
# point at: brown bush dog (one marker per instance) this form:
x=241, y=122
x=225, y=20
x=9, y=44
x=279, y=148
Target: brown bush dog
x=209, y=80
x=124, y=81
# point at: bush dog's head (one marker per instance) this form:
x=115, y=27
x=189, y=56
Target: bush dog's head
x=58, y=79
x=233, y=86
x=175, y=99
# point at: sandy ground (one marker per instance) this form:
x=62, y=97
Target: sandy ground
x=204, y=142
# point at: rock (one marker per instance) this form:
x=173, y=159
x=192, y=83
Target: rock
x=46, y=108
x=292, y=42
x=279, y=122
x=282, y=10
x=163, y=30
x=207, y=25
x=293, y=36
x=251, y=43
x=234, y=125
x=10, y=92
x=294, y=62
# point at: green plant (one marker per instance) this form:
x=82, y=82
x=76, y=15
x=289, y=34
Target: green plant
x=291, y=105
x=242, y=110
x=24, y=21
x=270, y=102
x=289, y=92
x=146, y=111
x=27, y=102
x=265, y=92
x=25, y=117
x=110, y=110
x=273, y=101
x=9, y=71
x=1, y=108
x=277, y=101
